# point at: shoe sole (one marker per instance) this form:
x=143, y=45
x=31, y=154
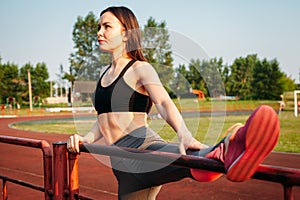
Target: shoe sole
x=265, y=124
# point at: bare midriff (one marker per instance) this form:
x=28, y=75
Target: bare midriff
x=115, y=125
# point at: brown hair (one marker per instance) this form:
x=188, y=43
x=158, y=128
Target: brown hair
x=131, y=25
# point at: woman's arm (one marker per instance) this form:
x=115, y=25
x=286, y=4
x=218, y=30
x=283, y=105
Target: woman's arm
x=93, y=135
x=166, y=106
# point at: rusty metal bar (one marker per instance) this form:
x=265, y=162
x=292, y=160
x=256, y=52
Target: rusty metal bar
x=73, y=176
x=155, y=156
x=288, y=192
x=59, y=189
x=23, y=183
x=288, y=177
x=4, y=189
x=60, y=175
x=285, y=176
x=47, y=158
x=47, y=162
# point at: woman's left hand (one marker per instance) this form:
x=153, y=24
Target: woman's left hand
x=196, y=145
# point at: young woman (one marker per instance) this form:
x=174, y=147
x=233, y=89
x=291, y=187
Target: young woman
x=125, y=92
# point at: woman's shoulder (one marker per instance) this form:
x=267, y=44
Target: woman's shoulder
x=141, y=63
x=144, y=70
x=142, y=66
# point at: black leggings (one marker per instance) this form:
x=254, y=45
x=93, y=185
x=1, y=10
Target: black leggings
x=134, y=175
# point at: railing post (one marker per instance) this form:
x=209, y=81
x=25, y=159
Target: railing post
x=288, y=192
x=60, y=175
x=73, y=176
x=4, y=189
x=47, y=161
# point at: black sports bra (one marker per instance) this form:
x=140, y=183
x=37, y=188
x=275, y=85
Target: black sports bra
x=120, y=97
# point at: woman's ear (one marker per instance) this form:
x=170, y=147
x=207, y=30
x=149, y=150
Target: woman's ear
x=124, y=36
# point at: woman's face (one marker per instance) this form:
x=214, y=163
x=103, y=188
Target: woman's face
x=110, y=33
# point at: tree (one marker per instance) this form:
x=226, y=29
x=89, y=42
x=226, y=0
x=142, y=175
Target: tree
x=195, y=77
x=9, y=76
x=288, y=83
x=267, y=79
x=39, y=74
x=157, y=50
x=14, y=81
x=241, y=76
x=207, y=76
x=213, y=73
x=225, y=74
x=40, y=85
x=180, y=86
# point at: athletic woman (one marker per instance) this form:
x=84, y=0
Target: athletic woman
x=124, y=95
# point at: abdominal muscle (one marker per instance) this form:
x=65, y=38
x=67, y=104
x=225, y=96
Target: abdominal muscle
x=115, y=125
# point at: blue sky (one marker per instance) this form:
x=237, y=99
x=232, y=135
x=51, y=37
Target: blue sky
x=41, y=31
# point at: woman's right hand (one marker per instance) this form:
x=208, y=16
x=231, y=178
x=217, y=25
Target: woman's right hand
x=73, y=143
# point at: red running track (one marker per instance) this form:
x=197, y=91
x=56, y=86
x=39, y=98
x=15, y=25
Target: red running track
x=97, y=181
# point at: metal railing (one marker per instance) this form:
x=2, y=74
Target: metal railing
x=288, y=177
x=47, y=165
x=62, y=183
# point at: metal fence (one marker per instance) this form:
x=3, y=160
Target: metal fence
x=62, y=183
x=47, y=165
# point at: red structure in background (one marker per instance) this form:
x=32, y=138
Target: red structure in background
x=199, y=94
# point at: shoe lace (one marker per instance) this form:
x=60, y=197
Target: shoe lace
x=232, y=129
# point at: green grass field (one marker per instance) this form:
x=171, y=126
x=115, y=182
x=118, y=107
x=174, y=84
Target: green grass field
x=207, y=129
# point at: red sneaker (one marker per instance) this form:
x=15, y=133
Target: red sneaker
x=248, y=146
x=217, y=154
